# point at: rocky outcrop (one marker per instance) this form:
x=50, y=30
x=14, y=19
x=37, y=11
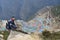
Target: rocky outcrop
x=20, y=36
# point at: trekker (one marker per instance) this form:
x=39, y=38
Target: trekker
x=10, y=25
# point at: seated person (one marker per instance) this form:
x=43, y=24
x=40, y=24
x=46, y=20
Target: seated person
x=10, y=25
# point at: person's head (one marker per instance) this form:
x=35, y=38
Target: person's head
x=13, y=18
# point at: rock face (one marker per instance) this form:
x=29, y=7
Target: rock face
x=44, y=17
x=20, y=36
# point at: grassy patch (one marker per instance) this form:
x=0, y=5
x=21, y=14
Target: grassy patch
x=5, y=34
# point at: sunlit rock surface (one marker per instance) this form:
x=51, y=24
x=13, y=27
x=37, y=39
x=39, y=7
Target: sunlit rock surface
x=1, y=37
x=21, y=36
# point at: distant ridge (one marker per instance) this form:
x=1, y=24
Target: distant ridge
x=41, y=11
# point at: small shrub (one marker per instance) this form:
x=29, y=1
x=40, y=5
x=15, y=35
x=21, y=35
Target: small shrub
x=46, y=33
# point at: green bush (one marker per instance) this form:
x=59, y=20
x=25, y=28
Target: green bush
x=46, y=33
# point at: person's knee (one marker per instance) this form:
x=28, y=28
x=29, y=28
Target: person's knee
x=15, y=27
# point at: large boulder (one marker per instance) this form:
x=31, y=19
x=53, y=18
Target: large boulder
x=21, y=36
